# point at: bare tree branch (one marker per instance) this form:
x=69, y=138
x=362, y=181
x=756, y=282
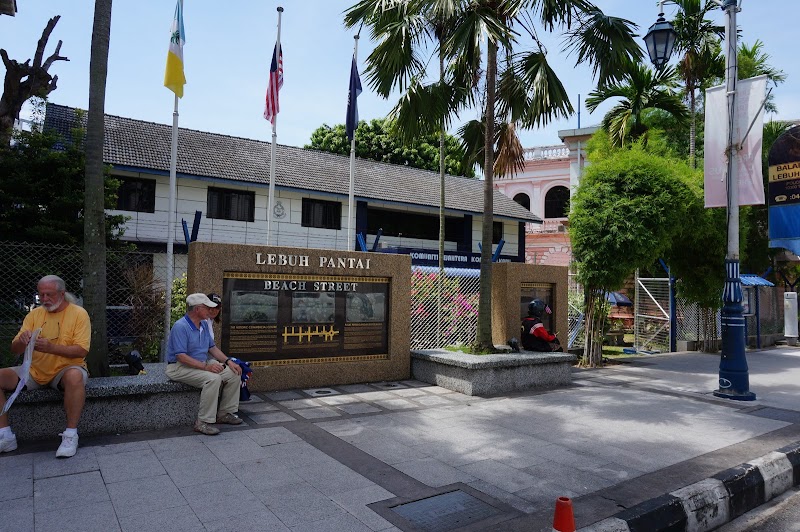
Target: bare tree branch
x=54, y=57
x=37, y=59
x=24, y=80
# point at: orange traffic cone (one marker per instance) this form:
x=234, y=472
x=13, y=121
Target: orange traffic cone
x=563, y=520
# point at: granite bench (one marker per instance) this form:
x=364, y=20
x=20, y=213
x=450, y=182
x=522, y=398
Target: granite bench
x=491, y=374
x=114, y=405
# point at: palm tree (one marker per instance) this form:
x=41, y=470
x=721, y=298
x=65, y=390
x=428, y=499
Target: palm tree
x=407, y=27
x=752, y=62
x=698, y=40
x=640, y=89
x=94, y=247
x=529, y=93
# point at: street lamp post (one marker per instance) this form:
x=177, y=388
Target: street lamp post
x=733, y=372
x=734, y=377
x=660, y=39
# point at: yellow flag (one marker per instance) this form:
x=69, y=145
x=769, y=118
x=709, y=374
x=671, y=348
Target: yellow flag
x=174, y=79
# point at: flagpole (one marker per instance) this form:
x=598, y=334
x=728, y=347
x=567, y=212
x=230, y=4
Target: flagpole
x=352, y=165
x=174, y=80
x=173, y=185
x=274, y=139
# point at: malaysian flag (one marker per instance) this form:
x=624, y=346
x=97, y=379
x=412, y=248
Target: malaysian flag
x=272, y=107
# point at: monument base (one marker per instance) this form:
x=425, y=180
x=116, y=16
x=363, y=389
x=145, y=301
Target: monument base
x=491, y=374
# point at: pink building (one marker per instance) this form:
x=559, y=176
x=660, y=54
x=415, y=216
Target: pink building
x=544, y=187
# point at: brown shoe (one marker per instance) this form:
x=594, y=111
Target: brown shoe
x=229, y=419
x=204, y=428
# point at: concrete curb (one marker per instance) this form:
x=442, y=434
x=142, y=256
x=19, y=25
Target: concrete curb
x=712, y=502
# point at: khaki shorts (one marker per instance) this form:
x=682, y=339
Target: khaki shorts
x=33, y=385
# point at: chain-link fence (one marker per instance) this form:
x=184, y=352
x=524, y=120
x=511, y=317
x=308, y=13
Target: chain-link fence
x=135, y=291
x=452, y=318
x=763, y=311
x=575, y=313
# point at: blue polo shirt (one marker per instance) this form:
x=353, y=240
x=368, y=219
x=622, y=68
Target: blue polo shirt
x=186, y=338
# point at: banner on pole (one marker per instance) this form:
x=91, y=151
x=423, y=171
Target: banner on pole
x=750, y=95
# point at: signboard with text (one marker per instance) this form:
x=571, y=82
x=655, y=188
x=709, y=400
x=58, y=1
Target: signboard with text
x=784, y=191
x=285, y=317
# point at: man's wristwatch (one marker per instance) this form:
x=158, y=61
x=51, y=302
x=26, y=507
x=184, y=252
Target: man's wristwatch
x=226, y=362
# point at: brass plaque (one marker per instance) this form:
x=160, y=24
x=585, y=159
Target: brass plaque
x=294, y=318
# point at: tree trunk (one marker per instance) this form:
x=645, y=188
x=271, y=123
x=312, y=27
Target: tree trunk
x=94, y=247
x=485, y=304
x=692, y=130
x=24, y=80
x=594, y=321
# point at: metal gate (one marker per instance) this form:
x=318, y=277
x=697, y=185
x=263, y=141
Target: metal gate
x=651, y=321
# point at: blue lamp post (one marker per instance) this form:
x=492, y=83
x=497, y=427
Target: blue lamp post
x=734, y=378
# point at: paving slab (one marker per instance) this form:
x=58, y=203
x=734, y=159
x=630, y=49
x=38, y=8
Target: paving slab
x=95, y=516
x=619, y=436
x=178, y=519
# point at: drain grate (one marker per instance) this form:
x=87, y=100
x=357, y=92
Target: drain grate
x=447, y=511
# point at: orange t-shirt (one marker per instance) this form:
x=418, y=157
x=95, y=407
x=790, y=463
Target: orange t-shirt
x=69, y=327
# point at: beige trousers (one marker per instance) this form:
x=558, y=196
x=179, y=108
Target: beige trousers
x=211, y=406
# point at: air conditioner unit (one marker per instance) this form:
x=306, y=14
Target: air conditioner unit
x=562, y=229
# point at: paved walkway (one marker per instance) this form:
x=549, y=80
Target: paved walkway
x=343, y=458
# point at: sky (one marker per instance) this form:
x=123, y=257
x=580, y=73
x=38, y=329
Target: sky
x=229, y=47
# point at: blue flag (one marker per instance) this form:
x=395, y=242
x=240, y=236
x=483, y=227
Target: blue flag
x=352, y=104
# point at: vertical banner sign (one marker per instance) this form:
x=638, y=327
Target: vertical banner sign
x=749, y=100
x=784, y=191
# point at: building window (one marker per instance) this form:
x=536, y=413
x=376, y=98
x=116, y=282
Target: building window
x=322, y=214
x=556, y=203
x=413, y=225
x=226, y=204
x=524, y=200
x=497, y=232
x=137, y=195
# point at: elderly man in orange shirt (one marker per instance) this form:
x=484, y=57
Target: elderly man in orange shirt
x=59, y=359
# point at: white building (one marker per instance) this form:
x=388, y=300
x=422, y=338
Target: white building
x=226, y=180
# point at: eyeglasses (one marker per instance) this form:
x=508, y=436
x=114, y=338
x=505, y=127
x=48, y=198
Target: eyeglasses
x=47, y=331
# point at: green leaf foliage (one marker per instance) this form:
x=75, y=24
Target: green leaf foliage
x=625, y=212
x=42, y=184
x=377, y=140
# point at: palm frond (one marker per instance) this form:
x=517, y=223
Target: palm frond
x=510, y=157
x=552, y=13
x=472, y=135
x=548, y=99
x=607, y=43
x=426, y=109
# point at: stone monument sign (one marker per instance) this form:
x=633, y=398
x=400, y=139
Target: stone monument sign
x=308, y=317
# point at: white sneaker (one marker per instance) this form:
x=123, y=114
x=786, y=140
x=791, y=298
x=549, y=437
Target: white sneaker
x=8, y=444
x=68, y=447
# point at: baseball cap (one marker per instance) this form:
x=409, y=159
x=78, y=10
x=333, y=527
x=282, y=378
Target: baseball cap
x=199, y=299
x=215, y=298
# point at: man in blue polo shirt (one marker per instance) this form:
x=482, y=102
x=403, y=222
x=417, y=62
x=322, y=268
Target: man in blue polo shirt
x=188, y=361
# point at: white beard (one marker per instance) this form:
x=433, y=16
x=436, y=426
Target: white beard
x=52, y=307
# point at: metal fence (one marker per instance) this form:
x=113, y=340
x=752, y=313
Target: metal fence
x=135, y=291
x=449, y=319
x=575, y=340
x=763, y=316
x=651, y=314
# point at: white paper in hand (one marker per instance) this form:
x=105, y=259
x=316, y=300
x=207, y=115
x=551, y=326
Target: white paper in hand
x=26, y=367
